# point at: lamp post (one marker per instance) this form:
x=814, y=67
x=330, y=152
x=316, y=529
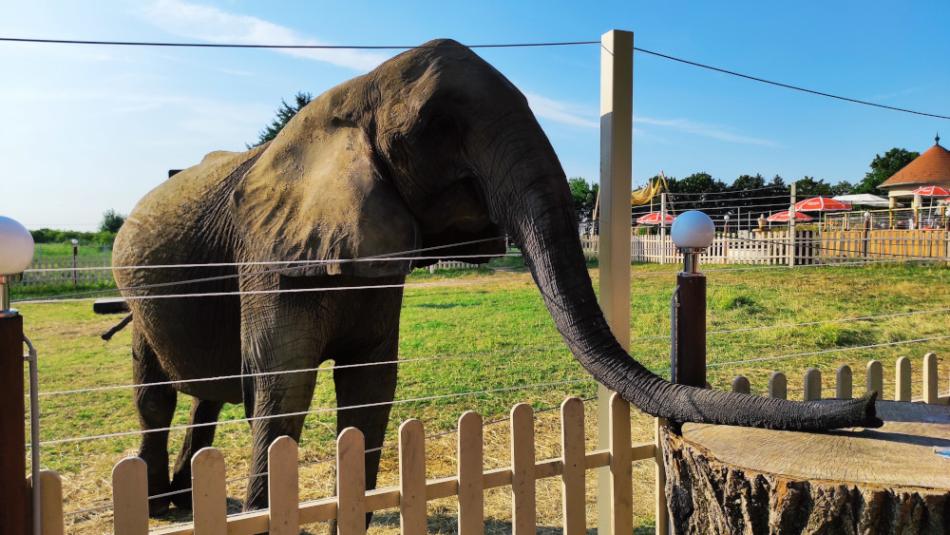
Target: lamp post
x=75, y=244
x=16, y=253
x=692, y=233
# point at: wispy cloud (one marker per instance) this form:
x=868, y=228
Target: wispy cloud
x=579, y=115
x=561, y=112
x=214, y=25
x=705, y=130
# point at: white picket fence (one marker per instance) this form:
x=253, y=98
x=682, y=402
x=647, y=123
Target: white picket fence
x=781, y=247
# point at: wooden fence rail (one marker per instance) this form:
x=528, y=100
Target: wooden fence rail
x=287, y=513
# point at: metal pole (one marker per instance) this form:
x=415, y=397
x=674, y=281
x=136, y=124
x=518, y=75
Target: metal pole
x=688, y=351
x=75, y=253
x=616, y=159
x=13, y=486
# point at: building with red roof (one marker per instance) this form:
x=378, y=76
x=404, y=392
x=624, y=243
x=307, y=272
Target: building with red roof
x=932, y=168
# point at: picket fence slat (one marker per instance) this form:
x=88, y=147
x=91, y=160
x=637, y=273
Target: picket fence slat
x=875, y=378
x=130, y=497
x=471, y=497
x=843, y=388
x=778, y=386
x=283, y=487
x=902, y=388
x=930, y=378
x=621, y=469
x=412, y=478
x=523, y=514
x=812, y=390
x=740, y=384
x=209, y=494
x=51, y=503
x=573, y=471
x=351, y=482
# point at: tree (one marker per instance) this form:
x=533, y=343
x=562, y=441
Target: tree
x=285, y=113
x=696, y=183
x=809, y=186
x=883, y=167
x=111, y=221
x=584, y=195
x=744, y=182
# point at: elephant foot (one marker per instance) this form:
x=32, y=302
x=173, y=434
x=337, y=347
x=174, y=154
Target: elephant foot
x=158, y=507
x=182, y=497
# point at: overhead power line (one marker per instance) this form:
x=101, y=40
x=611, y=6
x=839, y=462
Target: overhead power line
x=788, y=86
x=684, y=61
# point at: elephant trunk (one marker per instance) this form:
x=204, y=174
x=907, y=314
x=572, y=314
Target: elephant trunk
x=534, y=204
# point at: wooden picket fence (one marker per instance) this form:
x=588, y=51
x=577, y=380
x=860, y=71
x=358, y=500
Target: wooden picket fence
x=287, y=513
x=874, y=382
x=847, y=244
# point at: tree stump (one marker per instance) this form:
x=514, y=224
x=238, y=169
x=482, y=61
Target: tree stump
x=723, y=479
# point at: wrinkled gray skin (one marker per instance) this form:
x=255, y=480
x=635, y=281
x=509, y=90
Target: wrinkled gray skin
x=432, y=147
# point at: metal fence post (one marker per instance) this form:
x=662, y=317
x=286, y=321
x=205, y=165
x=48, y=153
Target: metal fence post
x=791, y=227
x=616, y=159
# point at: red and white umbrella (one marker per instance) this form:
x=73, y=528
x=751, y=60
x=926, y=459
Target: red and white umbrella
x=932, y=191
x=783, y=217
x=654, y=218
x=821, y=204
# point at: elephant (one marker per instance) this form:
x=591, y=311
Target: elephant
x=433, y=148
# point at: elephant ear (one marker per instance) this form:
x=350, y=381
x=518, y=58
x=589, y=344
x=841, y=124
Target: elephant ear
x=317, y=194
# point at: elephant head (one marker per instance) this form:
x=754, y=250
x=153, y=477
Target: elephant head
x=434, y=147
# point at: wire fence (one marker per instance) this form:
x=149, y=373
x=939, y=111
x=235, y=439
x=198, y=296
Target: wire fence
x=720, y=205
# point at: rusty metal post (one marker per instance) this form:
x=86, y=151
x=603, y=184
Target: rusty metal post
x=14, y=491
x=688, y=352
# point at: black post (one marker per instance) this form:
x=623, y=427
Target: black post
x=14, y=491
x=689, y=329
x=75, y=254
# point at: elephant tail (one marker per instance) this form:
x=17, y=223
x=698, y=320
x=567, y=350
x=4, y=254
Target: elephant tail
x=116, y=328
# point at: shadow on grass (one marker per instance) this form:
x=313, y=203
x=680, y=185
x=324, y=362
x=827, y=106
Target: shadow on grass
x=441, y=522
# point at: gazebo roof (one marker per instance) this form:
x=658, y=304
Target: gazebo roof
x=931, y=167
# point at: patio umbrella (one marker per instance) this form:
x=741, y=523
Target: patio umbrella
x=783, y=217
x=654, y=218
x=821, y=204
x=932, y=191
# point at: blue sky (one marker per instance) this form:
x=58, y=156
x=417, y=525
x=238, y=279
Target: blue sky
x=91, y=128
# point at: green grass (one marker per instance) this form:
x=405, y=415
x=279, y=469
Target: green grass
x=492, y=331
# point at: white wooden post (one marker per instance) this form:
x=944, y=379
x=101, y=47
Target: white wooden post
x=663, y=228
x=791, y=228
x=616, y=159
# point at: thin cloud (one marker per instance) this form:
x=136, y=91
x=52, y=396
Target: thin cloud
x=578, y=115
x=705, y=130
x=560, y=112
x=214, y=25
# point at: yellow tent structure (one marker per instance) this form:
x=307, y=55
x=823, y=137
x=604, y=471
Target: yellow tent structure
x=639, y=197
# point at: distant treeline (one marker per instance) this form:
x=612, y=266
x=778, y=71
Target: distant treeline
x=48, y=235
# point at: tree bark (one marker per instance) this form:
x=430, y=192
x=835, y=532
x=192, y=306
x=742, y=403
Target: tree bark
x=722, y=479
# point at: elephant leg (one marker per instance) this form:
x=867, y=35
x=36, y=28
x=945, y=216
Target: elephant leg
x=203, y=411
x=282, y=342
x=155, y=406
x=364, y=385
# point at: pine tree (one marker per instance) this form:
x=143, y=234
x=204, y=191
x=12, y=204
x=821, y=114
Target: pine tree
x=284, y=114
